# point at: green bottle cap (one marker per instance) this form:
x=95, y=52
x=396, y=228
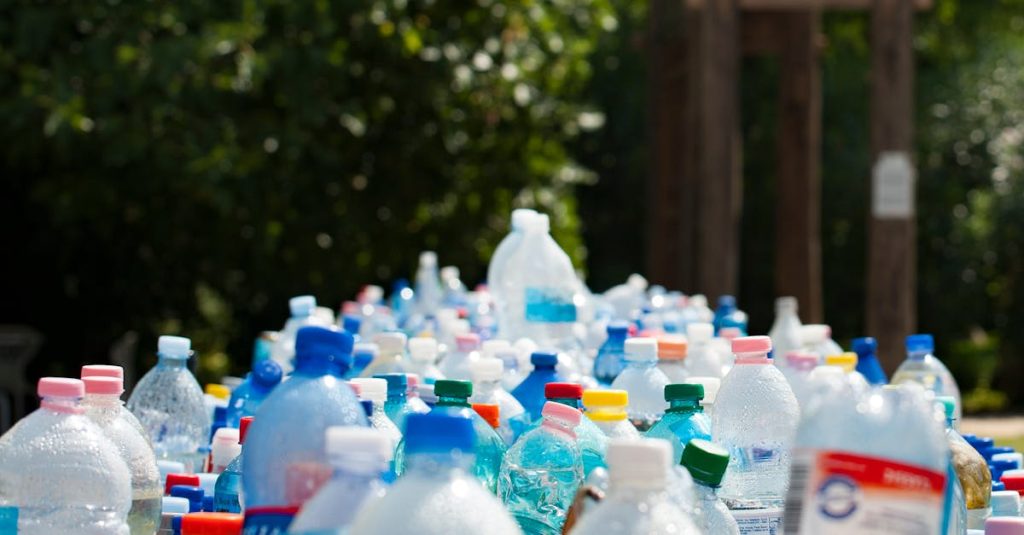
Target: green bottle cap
x=705, y=461
x=453, y=389
x=684, y=391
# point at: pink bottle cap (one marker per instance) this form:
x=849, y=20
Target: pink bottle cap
x=103, y=385
x=356, y=388
x=102, y=370
x=730, y=333
x=751, y=344
x=801, y=360
x=563, y=413
x=412, y=381
x=1004, y=525
x=467, y=342
x=60, y=387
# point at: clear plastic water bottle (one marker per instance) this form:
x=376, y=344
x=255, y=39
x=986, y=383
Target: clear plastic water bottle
x=611, y=357
x=867, y=360
x=925, y=369
x=496, y=268
x=423, y=359
x=428, y=285
x=303, y=313
x=359, y=456
x=785, y=331
x=542, y=470
x=628, y=297
x=847, y=361
x=817, y=338
x=104, y=407
x=711, y=386
x=437, y=495
x=729, y=315
x=375, y=390
x=402, y=300
x=701, y=359
x=59, y=473
x=644, y=382
x=607, y=409
x=487, y=374
x=511, y=376
x=591, y=440
x=246, y=397
x=671, y=358
x=106, y=370
x=227, y=491
x=284, y=462
x=454, y=291
x=707, y=463
x=169, y=404
x=530, y=392
x=391, y=358
x=755, y=419
x=800, y=365
x=455, y=365
x=684, y=420
x=363, y=353
x=970, y=472
x=453, y=398
x=637, y=502
x=397, y=405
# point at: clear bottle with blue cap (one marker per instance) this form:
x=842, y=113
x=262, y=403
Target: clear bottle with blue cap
x=194, y=494
x=530, y=392
x=437, y=495
x=284, y=461
x=303, y=313
x=924, y=368
x=248, y=396
x=644, y=382
x=170, y=406
x=611, y=357
x=866, y=349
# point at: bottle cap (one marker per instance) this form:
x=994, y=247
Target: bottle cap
x=1005, y=503
x=726, y=302
x=103, y=386
x=218, y=391
x=364, y=442
x=671, y=347
x=390, y=343
x=266, y=373
x=990, y=451
x=786, y=302
x=412, y=382
x=486, y=369
x=981, y=443
x=175, y=347
x=813, y=334
x=641, y=349
x=1014, y=481
x=617, y=328
x=102, y=370
x=60, y=387
x=1004, y=525
x=1016, y=457
x=1000, y=466
x=302, y=306
x=208, y=482
x=730, y=333
x=192, y=493
x=227, y=436
x=918, y=343
x=351, y=323
x=640, y=462
x=563, y=391
x=606, y=405
x=437, y=432
x=490, y=412
x=211, y=524
x=428, y=259
x=562, y=413
x=450, y=388
x=174, y=480
x=544, y=358
x=865, y=345
x=847, y=361
x=467, y=342
x=426, y=393
x=520, y=217
x=173, y=505
x=948, y=405
x=397, y=383
x=423, y=349
x=699, y=333
x=322, y=345
x=372, y=389
x=746, y=345
x=243, y=428
x=710, y=384
x=490, y=348
x=684, y=391
x=706, y=461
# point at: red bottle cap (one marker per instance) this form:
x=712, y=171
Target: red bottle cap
x=563, y=391
x=190, y=480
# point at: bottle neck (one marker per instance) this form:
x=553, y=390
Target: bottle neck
x=396, y=397
x=568, y=402
x=168, y=361
x=449, y=401
x=62, y=405
x=543, y=369
x=752, y=358
x=558, y=427
x=684, y=406
x=917, y=355
x=642, y=364
x=438, y=464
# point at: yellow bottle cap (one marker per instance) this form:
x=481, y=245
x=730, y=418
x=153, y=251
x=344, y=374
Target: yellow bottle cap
x=218, y=391
x=847, y=361
x=606, y=405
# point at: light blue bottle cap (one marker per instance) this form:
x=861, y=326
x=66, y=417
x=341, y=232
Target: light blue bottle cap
x=169, y=467
x=174, y=346
x=174, y=505
x=436, y=432
x=397, y=382
x=920, y=342
x=302, y=306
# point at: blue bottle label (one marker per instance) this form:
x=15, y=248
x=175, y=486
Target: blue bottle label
x=549, y=305
x=268, y=520
x=8, y=520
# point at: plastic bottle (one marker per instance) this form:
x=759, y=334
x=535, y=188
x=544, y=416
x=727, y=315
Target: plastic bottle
x=728, y=315
x=303, y=313
x=684, y=420
x=455, y=365
x=391, y=358
x=248, y=396
x=423, y=359
x=972, y=473
x=628, y=297
x=395, y=403
x=611, y=358
x=607, y=409
x=172, y=508
x=785, y=332
x=496, y=268
x=701, y=359
x=436, y=495
x=358, y=456
x=644, y=383
x=672, y=358
x=926, y=369
x=284, y=460
x=817, y=338
x=511, y=376
x=487, y=373
x=637, y=502
x=363, y=353
x=707, y=463
x=453, y=398
x=542, y=470
x=591, y=440
x=755, y=419
x=848, y=363
x=227, y=491
x=428, y=285
x=711, y=386
x=402, y=300
x=412, y=394
x=530, y=392
x=106, y=370
x=59, y=473
x=376, y=390
x=169, y=404
x=867, y=360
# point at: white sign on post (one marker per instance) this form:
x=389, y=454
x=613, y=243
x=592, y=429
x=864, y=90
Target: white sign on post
x=892, y=186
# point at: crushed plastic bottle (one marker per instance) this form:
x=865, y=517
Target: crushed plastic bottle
x=707, y=463
x=684, y=420
x=611, y=358
x=487, y=374
x=785, y=332
x=644, y=383
x=248, y=396
x=607, y=409
x=530, y=392
x=391, y=358
x=924, y=368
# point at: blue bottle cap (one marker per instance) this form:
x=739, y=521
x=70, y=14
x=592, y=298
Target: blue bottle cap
x=351, y=323
x=727, y=301
x=920, y=342
x=980, y=443
x=194, y=495
x=544, y=358
x=367, y=407
x=437, y=432
x=397, y=382
x=864, y=346
x=319, y=347
x=998, y=466
x=988, y=452
x=176, y=524
x=618, y=328
x=208, y=504
x=399, y=285
x=997, y=486
x=266, y=373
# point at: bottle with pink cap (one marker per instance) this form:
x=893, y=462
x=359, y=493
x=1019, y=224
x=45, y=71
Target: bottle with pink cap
x=456, y=364
x=104, y=407
x=542, y=470
x=59, y=473
x=107, y=370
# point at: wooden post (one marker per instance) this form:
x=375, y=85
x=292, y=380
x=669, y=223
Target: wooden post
x=892, y=278
x=717, y=251
x=798, y=204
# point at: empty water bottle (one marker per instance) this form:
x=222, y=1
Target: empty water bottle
x=397, y=405
x=169, y=404
x=924, y=368
x=487, y=373
x=530, y=392
x=592, y=441
x=59, y=473
x=428, y=285
x=248, y=396
x=391, y=356
x=456, y=364
x=684, y=420
x=644, y=383
x=423, y=359
x=611, y=358
x=671, y=358
x=607, y=409
x=848, y=363
x=375, y=390
x=817, y=339
x=363, y=354
x=227, y=491
x=701, y=359
x=496, y=268
x=867, y=360
x=785, y=332
x=707, y=463
x=542, y=470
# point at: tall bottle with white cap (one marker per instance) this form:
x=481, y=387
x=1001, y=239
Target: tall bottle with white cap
x=59, y=473
x=487, y=375
x=303, y=313
x=701, y=359
x=496, y=268
x=169, y=404
x=755, y=419
x=375, y=390
x=103, y=405
x=637, y=502
x=391, y=358
x=785, y=332
x=644, y=382
x=423, y=359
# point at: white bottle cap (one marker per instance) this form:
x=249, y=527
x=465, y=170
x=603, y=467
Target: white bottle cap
x=699, y=333
x=711, y=386
x=208, y=482
x=699, y=300
x=641, y=349
x=372, y=388
x=813, y=334
x=490, y=348
x=373, y=293
x=637, y=282
x=302, y=305
x=174, y=346
x=642, y=463
x=460, y=326
x=449, y=273
x=364, y=444
x=225, y=447
x=521, y=217
x=786, y=302
x=1005, y=503
x=428, y=259
x=390, y=342
x=423, y=349
x=174, y=505
x=486, y=369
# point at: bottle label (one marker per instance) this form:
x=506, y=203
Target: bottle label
x=549, y=305
x=843, y=493
x=268, y=520
x=766, y=521
x=8, y=520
